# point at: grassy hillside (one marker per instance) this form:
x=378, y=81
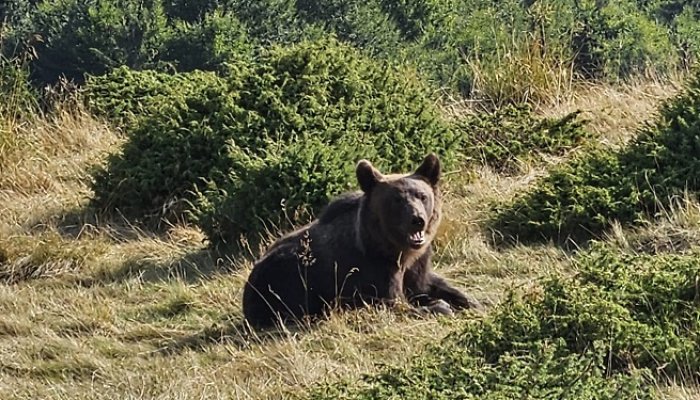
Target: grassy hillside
x=150, y=151
x=96, y=307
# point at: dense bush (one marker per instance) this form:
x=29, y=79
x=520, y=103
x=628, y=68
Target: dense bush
x=282, y=185
x=686, y=27
x=504, y=51
x=512, y=134
x=577, y=200
x=617, y=39
x=13, y=12
x=584, y=197
x=80, y=36
x=177, y=133
x=73, y=38
x=361, y=22
x=312, y=111
x=272, y=21
x=278, y=136
x=124, y=95
x=208, y=44
x=189, y=10
x=606, y=332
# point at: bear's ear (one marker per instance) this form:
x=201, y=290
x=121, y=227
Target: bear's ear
x=430, y=169
x=367, y=175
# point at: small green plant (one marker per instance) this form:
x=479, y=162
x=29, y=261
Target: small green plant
x=512, y=133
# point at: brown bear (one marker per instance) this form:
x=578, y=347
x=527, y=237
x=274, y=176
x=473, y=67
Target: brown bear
x=368, y=246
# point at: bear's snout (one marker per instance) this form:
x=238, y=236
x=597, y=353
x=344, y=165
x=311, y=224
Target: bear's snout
x=418, y=222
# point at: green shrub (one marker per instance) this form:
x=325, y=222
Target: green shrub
x=124, y=95
x=278, y=136
x=512, y=133
x=577, y=200
x=616, y=39
x=544, y=370
x=267, y=190
x=189, y=10
x=360, y=22
x=582, y=198
x=177, y=134
x=13, y=12
x=311, y=112
x=81, y=36
x=639, y=311
x=411, y=17
x=607, y=332
x=207, y=44
x=686, y=27
x=270, y=21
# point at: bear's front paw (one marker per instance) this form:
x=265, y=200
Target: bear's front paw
x=440, y=307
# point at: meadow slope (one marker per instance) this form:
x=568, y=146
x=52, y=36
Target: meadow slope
x=94, y=307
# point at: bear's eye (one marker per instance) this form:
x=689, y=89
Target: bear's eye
x=422, y=196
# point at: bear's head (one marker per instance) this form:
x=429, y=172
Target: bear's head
x=406, y=208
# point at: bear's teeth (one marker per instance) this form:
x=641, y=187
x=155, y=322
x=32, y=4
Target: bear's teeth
x=418, y=237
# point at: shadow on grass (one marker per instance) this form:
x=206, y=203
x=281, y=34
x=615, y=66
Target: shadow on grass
x=86, y=220
x=189, y=259
x=192, y=267
x=230, y=330
x=570, y=242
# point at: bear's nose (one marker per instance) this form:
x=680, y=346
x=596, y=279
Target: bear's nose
x=418, y=222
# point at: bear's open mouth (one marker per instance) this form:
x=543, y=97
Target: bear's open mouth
x=417, y=238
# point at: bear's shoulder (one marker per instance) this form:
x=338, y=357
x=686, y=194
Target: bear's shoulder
x=341, y=206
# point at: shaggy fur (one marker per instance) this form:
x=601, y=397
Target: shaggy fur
x=367, y=246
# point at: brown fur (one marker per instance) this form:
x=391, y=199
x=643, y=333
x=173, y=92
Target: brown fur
x=363, y=248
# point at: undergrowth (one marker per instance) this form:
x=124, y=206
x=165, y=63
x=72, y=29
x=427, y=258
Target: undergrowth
x=268, y=140
x=582, y=198
x=514, y=135
x=620, y=325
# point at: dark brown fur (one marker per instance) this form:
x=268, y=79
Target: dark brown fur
x=359, y=250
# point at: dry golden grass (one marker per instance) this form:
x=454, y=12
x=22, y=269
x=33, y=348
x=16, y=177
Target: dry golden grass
x=530, y=71
x=615, y=111
x=679, y=392
x=93, y=309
